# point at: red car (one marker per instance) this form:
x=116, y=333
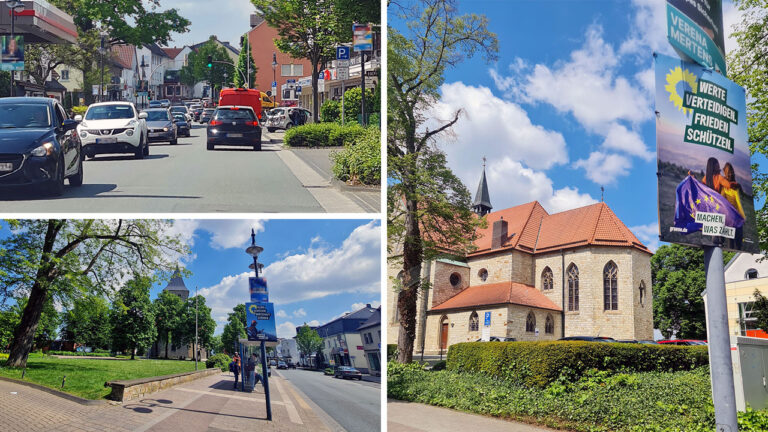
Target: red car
x=684, y=342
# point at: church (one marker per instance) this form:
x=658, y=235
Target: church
x=534, y=276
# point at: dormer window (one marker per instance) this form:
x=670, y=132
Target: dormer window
x=751, y=274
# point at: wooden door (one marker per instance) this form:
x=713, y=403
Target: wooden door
x=444, y=336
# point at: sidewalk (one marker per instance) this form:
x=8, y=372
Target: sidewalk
x=205, y=404
x=415, y=417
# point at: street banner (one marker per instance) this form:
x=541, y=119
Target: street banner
x=258, y=289
x=11, y=53
x=362, y=37
x=704, y=170
x=260, y=318
x=695, y=30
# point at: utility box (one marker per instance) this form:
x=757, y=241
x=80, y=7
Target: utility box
x=750, y=372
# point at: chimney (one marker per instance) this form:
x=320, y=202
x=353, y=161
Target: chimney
x=499, y=235
x=368, y=305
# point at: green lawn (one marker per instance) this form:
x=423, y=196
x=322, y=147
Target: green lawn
x=86, y=377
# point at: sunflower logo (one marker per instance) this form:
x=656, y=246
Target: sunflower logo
x=674, y=77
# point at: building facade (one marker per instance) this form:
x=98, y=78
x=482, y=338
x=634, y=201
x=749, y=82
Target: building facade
x=287, y=350
x=342, y=343
x=370, y=333
x=744, y=274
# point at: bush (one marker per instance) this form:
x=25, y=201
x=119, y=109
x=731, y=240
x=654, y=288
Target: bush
x=323, y=135
x=352, y=101
x=220, y=361
x=391, y=352
x=330, y=111
x=346, y=135
x=360, y=163
x=80, y=109
x=439, y=366
x=539, y=363
x=96, y=353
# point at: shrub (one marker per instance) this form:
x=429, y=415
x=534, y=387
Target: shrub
x=310, y=135
x=352, y=101
x=539, y=363
x=330, y=111
x=220, y=361
x=80, y=109
x=96, y=353
x=345, y=135
x=391, y=351
x=439, y=366
x=360, y=163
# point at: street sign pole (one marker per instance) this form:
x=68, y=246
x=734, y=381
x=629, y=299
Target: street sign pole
x=265, y=378
x=342, y=102
x=362, y=86
x=720, y=366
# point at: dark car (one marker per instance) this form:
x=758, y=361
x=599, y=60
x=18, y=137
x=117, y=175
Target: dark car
x=291, y=365
x=499, y=339
x=182, y=126
x=234, y=126
x=588, y=338
x=39, y=145
x=282, y=365
x=196, y=110
x=683, y=342
x=347, y=372
x=155, y=104
x=206, y=114
x=181, y=109
x=161, y=126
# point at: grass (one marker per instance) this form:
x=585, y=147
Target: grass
x=86, y=377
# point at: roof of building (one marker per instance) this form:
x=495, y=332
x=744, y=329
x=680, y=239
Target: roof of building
x=54, y=85
x=346, y=323
x=123, y=55
x=373, y=321
x=226, y=45
x=496, y=294
x=173, y=52
x=156, y=50
x=176, y=283
x=531, y=229
x=482, y=197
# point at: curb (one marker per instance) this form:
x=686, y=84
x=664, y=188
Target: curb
x=58, y=393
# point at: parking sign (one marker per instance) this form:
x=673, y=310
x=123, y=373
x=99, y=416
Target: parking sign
x=342, y=53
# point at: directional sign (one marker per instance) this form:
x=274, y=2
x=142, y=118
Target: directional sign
x=487, y=319
x=372, y=73
x=342, y=73
x=342, y=53
x=260, y=318
x=258, y=289
x=290, y=81
x=342, y=63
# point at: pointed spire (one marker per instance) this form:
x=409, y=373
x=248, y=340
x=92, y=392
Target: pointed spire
x=482, y=204
x=177, y=285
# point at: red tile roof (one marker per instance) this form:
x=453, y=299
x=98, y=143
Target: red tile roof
x=173, y=52
x=531, y=229
x=498, y=293
x=123, y=55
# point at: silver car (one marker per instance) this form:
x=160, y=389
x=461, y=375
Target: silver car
x=280, y=118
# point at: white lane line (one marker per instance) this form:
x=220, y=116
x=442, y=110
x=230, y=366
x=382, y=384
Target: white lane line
x=293, y=414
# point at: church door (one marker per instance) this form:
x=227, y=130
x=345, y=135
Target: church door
x=444, y=336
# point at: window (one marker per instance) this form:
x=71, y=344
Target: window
x=291, y=70
x=483, y=274
x=549, y=325
x=455, y=279
x=474, y=322
x=747, y=319
x=642, y=293
x=65, y=74
x=573, y=287
x=530, y=323
x=547, y=281
x=751, y=274
x=610, y=287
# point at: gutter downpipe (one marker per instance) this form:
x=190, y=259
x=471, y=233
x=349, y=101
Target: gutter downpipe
x=562, y=317
x=424, y=303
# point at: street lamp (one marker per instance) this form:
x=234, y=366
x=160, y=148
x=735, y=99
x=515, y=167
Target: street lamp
x=196, y=343
x=254, y=251
x=274, y=77
x=15, y=6
x=102, y=49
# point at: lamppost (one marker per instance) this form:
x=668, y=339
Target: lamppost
x=254, y=251
x=102, y=49
x=15, y=6
x=195, y=353
x=143, y=78
x=274, y=76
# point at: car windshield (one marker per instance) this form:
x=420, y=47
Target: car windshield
x=276, y=111
x=178, y=109
x=24, y=116
x=109, y=112
x=157, y=115
x=228, y=114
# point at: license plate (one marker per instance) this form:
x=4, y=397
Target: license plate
x=234, y=135
x=156, y=134
x=6, y=166
x=106, y=140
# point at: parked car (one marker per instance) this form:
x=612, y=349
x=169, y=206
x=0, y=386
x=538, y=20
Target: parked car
x=165, y=103
x=347, y=372
x=684, y=342
x=206, y=114
x=498, y=339
x=328, y=371
x=181, y=109
x=588, y=338
x=280, y=118
x=182, y=124
x=291, y=365
x=39, y=145
x=281, y=365
x=273, y=362
x=196, y=110
x=161, y=126
x=155, y=104
x=113, y=127
x=234, y=126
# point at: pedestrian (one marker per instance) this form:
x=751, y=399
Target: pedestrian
x=250, y=367
x=237, y=370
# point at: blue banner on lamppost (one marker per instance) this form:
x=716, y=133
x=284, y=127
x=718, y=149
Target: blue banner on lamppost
x=260, y=318
x=12, y=53
x=258, y=289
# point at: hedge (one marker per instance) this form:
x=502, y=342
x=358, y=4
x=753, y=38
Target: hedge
x=220, y=361
x=360, y=161
x=97, y=353
x=536, y=364
x=323, y=135
x=391, y=351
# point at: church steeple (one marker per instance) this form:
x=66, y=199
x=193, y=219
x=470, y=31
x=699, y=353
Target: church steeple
x=482, y=204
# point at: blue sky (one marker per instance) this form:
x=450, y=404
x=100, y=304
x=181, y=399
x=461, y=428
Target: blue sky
x=567, y=108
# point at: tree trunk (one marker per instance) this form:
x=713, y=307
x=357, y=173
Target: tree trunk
x=167, y=338
x=133, y=353
x=315, y=96
x=408, y=296
x=24, y=335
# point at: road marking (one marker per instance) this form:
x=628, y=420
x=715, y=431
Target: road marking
x=209, y=393
x=292, y=413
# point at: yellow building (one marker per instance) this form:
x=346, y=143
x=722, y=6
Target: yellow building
x=743, y=274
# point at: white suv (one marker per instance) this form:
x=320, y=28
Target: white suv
x=113, y=127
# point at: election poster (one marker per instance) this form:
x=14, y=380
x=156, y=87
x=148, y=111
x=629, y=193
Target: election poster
x=695, y=30
x=260, y=321
x=11, y=53
x=258, y=289
x=704, y=171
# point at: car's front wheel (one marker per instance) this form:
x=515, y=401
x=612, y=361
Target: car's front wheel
x=139, y=152
x=55, y=185
x=77, y=179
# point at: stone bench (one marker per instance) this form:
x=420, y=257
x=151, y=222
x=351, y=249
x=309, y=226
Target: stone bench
x=126, y=390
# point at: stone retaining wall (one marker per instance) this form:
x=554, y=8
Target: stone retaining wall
x=127, y=390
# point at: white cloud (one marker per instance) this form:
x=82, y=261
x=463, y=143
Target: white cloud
x=620, y=138
x=300, y=313
x=648, y=234
x=603, y=168
x=286, y=330
x=281, y=314
x=357, y=306
x=648, y=32
x=313, y=323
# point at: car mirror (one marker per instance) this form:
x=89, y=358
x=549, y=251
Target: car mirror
x=175, y=120
x=78, y=118
x=142, y=115
x=68, y=125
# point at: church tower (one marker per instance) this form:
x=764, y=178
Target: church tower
x=177, y=286
x=482, y=204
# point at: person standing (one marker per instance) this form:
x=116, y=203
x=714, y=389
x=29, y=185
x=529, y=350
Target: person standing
x=237, y=369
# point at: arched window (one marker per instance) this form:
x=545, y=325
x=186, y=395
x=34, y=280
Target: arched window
x=642, y=293
x=751, y=274
x=474, y=322
x=610, y=286
x=549, y=325
x=530, y=323
x=573, y=288
x=547, y=280
x=483, y=274
x=455, y=279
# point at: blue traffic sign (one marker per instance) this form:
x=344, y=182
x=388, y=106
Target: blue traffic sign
x=342, y=53
x=274, y=83
x=298, y=89
x=487, y=319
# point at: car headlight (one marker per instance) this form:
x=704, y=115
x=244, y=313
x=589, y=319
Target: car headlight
x=129, y=132
x=165, y=129
x=83, y=134
x=44, y=150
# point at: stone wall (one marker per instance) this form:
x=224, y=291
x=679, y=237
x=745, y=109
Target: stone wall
x=441, y=283
x=509, y=265
x=127, y=390
x=641, y=272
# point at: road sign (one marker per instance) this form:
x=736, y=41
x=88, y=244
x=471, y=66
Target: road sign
x=372, y=73
x=260, y=318
x=487, y=319
x=342, y=53
x=290, y=81
x=342, y=63
x=696, y=31
x=274, y=84
x=298, y=89
x=342, y=73
x=258, y=289
x=362, y=37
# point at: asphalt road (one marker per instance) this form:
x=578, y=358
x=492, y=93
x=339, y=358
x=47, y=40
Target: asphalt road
x=354, y=405
x=188, y=178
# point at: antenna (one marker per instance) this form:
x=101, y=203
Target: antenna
x=602, y=194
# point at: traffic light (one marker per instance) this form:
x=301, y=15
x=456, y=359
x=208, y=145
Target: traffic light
x=210, y=61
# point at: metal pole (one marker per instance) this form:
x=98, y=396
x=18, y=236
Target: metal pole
x=13, y=72
x=195, y=353
x=720, y=366
x=248, y=60
x=101, y=89
x=342, y=101
x=362, y=86
x=265, y=378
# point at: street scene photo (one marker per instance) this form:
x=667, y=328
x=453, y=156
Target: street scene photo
x=192, y=325
x=576, y=215
x=167, y=106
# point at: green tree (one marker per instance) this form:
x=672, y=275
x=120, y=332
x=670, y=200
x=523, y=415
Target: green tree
x=235, y=328
x=428, y=208
x=132, y=317
x=760, y=310
x=748, y=67
x=60, y=259
x=5, y=84
x=206, y=325
x=197, y=69
x=678, y=281
x=242, y=67
x=308, y=341
x=169, y=312
x=41, y=59
x=87, y=322
x=216, y=345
